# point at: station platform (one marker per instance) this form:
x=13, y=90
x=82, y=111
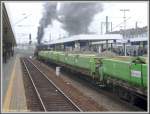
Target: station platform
x=13, y=93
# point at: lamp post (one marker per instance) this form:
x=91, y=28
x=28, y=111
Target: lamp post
x=124, y=17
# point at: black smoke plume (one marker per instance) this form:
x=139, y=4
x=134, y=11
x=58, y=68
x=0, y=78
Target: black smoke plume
x=75, y=16
x=48, y=15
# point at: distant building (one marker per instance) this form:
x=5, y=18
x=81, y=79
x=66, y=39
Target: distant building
x=134, y=35
x=136, y=39
x=133, y=32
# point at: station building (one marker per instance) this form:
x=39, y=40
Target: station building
x=136, y=39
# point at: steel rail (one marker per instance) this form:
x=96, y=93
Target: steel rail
x=53, y=85
x=38, y=94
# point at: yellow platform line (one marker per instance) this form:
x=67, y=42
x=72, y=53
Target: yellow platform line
x=7, y=99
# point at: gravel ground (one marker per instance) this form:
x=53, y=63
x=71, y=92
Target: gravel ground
x=105, y=101
x=84, y=102
x=77, y=87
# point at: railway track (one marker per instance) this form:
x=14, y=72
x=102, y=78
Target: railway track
x=46, y=96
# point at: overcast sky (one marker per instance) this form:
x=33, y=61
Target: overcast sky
x=25, y=16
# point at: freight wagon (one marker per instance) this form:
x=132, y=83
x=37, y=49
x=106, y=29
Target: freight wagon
x=127, y=76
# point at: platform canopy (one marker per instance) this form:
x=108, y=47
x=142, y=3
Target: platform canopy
x=8, y=34
x=88, y=37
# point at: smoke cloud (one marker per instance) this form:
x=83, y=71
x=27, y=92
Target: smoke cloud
x=48, y=15
x=75, y=17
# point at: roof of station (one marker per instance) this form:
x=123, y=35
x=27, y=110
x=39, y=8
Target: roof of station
x=8, y=35
x=88, y=37
x=138, y=39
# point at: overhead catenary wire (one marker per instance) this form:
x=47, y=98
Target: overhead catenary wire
x=22, y=19
x=121, y=23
